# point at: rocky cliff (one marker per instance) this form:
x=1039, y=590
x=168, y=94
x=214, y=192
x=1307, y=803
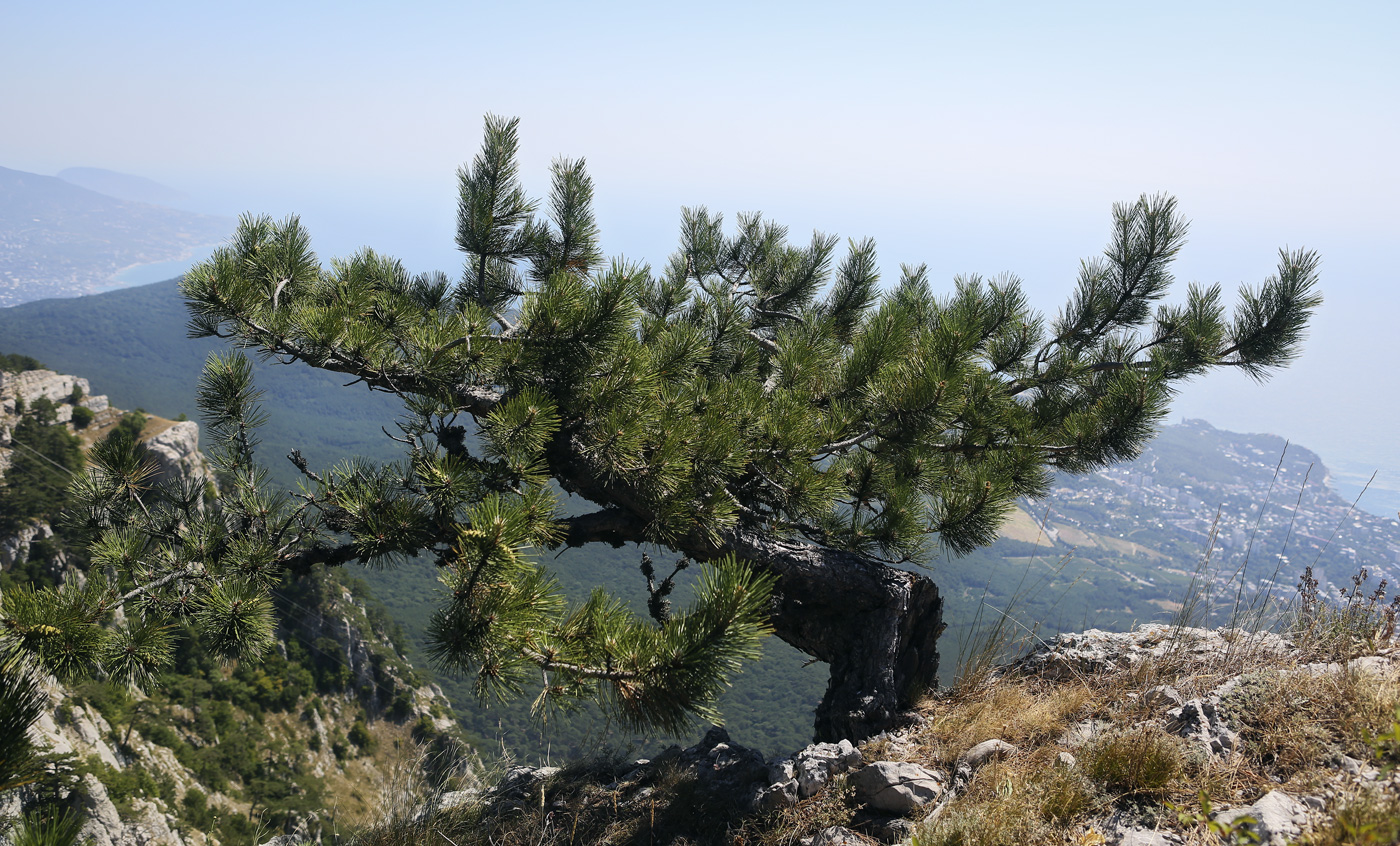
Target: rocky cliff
x=303, y=744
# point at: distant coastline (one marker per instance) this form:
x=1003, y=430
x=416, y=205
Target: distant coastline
x=159, y=271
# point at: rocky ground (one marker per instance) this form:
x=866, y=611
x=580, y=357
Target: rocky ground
x=1156, y=736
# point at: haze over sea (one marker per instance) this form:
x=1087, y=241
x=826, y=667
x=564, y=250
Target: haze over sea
x=976, y=139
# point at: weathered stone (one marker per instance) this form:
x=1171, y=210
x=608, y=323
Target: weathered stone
x=885, y=829
x=102, y=826
x=1279, y=817
x=1066, y=760
x=838, y=836
x=898, y=787
x=814, y=766
x=1083, y=732
x=734, y=771
x=1199, y=720
x=1075, y=655
x=985, y=752
x=1131, y=836
x=779, y=795
x=176, y=452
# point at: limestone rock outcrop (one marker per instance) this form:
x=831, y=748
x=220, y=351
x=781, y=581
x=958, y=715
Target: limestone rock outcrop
x=176, y=452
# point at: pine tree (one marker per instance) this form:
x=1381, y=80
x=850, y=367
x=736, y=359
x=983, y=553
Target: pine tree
x=761, y=406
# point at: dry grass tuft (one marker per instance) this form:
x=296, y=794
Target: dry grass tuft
x=833, y=806
x=1139, y=762
x=1024, y=712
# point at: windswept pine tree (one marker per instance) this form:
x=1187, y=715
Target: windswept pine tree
x=763, y=407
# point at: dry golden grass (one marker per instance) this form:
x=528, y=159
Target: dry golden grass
x=1014, y=802
x=1141, y=761
x=1367, y=817
x=1020, y=711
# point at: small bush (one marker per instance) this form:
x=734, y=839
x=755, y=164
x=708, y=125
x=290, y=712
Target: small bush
x=112, y=701
x=1139, y=762
x=82, y=417
x=1360, y=622
x=15, y=363
x=424, y=731
x=360, y=736
x=196, y=811
x=402, y=705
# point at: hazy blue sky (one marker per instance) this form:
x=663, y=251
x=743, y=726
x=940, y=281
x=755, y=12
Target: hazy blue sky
x=974, y=139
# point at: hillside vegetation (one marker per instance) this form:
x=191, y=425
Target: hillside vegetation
x=213, y=752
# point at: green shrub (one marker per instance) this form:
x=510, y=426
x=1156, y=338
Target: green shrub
x=82, y=417
x=423, y=730
x=196, y=812
x=112, y=701
x=15, y=363
x=130, y=426
x=36, y=483
x=360, y=736
x=402, y=705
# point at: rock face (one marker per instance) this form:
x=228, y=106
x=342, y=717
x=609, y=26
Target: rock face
x=176, y=452
x=73, y=726
x=15, y=548
x=1096, y=651
x=31, y=385
x=55, y=387
x=84, y=733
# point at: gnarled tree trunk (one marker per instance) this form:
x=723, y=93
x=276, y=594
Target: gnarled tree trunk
x=875, y=625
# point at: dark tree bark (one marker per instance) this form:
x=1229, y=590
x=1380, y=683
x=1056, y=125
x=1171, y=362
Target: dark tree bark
x=876, y=626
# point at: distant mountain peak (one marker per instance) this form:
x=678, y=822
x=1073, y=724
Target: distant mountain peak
x=123, y=186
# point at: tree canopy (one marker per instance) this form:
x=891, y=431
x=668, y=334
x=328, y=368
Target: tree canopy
x=765, y=407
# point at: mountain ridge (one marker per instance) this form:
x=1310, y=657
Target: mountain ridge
x=58, y=239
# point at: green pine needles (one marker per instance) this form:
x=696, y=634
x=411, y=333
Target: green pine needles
x=767, y=406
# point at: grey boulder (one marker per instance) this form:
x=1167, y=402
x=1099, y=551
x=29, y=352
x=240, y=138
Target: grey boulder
x=897, y=787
